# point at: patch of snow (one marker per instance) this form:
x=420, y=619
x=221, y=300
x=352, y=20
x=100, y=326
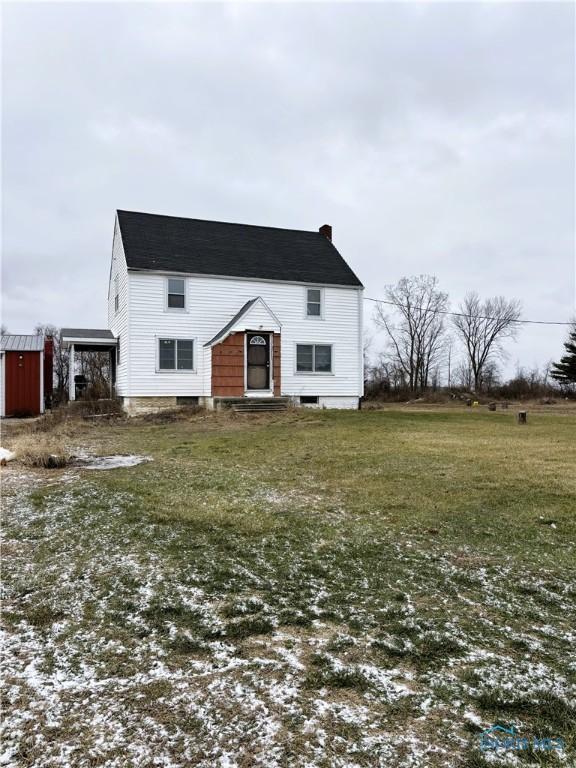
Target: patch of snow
x=111, y=462
x=6, y=455
x=472, y=717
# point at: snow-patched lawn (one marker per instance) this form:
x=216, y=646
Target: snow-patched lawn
x=367, y=589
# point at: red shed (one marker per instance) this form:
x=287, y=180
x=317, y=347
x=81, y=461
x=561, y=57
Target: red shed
x=23, y=369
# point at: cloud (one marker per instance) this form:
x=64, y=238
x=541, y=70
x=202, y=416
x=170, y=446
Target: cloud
x=435, y=138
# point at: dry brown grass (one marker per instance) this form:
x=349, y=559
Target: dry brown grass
x=40, y=450
x=168, y=415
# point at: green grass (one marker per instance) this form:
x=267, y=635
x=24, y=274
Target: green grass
x=378, y=576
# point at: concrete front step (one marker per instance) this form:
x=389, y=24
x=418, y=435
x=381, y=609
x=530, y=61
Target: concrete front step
x=259, y=408
x=252, y=404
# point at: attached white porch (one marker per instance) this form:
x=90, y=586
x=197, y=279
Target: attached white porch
x=89, y=340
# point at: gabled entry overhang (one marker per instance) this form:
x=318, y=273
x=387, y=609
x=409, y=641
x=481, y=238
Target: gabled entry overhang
x=255, y=315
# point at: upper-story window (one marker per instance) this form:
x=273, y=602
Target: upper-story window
x=313, y=302
x=176, y=293
x=116, y=294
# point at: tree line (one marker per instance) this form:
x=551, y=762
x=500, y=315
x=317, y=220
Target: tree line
x=428, y=346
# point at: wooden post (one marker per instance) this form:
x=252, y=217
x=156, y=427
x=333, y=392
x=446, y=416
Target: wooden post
x=492, y=406
x=112, y=370
x=522, y=417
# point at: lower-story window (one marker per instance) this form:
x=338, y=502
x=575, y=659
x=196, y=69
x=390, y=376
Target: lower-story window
x=175, y=354
x=314, y=358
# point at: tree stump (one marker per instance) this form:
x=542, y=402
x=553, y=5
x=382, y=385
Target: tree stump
x=491, y=406
x=522, y=417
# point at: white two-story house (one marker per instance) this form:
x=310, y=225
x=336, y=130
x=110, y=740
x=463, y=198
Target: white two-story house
x=202, y=310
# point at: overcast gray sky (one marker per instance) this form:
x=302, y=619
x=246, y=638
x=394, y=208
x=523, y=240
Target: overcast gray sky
x=434, y=138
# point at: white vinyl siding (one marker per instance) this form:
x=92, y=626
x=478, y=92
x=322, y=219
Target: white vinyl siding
x=216, y=301
x=118, y=319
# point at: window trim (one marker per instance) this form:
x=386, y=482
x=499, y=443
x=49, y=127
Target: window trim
x=116, y=294
x=167, y=294
x=314, y=344
x=313, y=288
x=170, y=337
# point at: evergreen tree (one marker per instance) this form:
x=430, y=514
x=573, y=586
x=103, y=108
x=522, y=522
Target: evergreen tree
x=565, y=370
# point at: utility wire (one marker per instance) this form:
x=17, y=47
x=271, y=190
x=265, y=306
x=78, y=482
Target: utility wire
x=462, y=314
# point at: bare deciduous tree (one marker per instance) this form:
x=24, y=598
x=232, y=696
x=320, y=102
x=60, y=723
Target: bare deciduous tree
x=384, y=376
x=95, y=366
x=482, y=326
x=416, y=329
x=366, y=345
x=463, y=376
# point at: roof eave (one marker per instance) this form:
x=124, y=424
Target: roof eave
x=349, y=286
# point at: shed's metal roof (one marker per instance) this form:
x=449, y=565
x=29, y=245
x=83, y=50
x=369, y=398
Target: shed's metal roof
x=22, y=343
x=87, y=333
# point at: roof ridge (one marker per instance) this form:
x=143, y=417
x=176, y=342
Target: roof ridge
x=216, y=221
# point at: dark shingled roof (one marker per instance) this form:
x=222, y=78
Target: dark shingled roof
x=171, y=244
x=87, y=333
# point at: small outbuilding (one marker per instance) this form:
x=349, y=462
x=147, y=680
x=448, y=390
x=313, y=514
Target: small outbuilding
x=25, y=374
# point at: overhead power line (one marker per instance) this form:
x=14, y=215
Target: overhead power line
x=463, y=314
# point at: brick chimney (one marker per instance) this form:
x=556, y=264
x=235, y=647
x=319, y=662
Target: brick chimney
x=326, y=230
x=48, y=365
